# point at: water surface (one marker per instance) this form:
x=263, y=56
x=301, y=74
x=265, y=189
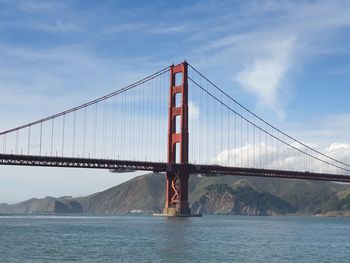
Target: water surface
x=50, y=238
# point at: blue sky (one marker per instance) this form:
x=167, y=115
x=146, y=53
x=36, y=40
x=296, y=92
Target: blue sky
x=286, y=60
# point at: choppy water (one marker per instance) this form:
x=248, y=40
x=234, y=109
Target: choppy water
x=154, y=239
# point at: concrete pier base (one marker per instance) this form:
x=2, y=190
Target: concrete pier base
x=173, y=212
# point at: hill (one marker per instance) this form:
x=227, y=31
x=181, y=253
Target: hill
x=208, y=195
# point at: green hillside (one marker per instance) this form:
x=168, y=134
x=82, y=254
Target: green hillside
x=208, y=195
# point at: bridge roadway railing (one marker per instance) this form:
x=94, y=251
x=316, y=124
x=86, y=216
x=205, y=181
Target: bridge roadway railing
x=129, y=166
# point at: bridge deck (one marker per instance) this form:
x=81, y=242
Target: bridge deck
x=120, y=165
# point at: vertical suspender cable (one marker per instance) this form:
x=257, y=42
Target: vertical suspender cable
x=278, y=158
x=41, y=136
x=16, y=151
x=157, y=112
x=285, y=155
x=29, y=135
x=116, y=128
x=192, y=92
x=260, y=165
x=154, y=130
x=200, y=142
x=165, y=104
x=247, y=144
x=84, y=131
x=132, y=122
x=142, y=130
x=110, y=131
x=235, y=135
x=266, y=150
x=222, y=130
x=94, y=130
x=208, y=141
x=104, y=129
x=228, y=137
x=149, y=118
x=272, y=150
x=113, y=145
x=159, y=91
x=160, y=112
x=63, y=132
x=123, y=137
x=52, y=127
x=254, y=146
x=241, y=138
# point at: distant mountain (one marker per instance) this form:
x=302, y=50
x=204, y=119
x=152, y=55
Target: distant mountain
x=304, y=196
x=146, y=193
x=44, y=205
x=208, y=195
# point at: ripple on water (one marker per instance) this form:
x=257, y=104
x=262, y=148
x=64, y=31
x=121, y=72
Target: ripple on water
x=61, y=238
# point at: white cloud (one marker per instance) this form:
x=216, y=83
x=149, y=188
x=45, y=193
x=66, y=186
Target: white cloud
x=265, y=75
x=143, y=27
x=193, y=110
x=273, y=43
x=322, y=130
x=57, y=26
x=40, y=6
x=52, y=73
x=337, y=146
x=339, y=151
x=284, y=158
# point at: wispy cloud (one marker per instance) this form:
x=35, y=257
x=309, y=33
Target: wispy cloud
x=31, y=77
x=56, y=26
x=125, y=27
x=276, y=39
x=322, y=130
x=144, y=28
x=52, y=26
x=40, y=6
x=265, y=76
x=44, y=16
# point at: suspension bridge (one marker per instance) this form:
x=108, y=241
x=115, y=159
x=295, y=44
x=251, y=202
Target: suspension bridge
x=174, y=121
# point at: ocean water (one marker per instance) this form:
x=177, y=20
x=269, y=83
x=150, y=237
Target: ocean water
x=60, y=238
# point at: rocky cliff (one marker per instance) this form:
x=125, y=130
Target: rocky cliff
x=222, y=199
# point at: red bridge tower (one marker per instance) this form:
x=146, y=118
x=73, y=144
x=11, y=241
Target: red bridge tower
x=177, y=179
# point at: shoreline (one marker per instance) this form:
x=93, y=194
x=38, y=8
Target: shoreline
x=334, y=214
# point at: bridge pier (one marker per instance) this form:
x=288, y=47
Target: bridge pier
x=176, y=203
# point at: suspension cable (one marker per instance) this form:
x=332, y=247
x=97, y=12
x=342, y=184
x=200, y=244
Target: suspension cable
x=272, y=126
x=265, y=131
x=126, y=88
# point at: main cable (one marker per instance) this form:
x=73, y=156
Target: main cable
x=265, y=131
x=126, y=88
x=272, y=126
